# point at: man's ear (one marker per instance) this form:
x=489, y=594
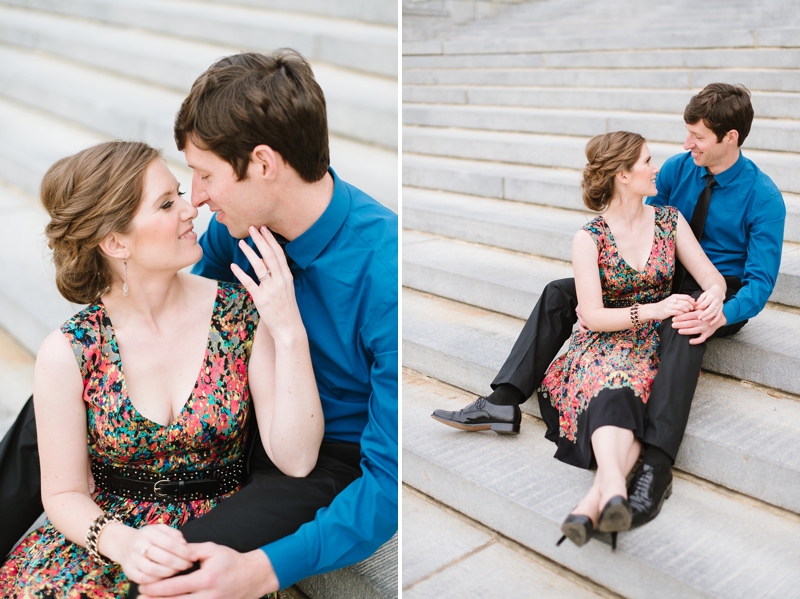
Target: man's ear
x=113, y=245
x=266, y=161
x=732, y=137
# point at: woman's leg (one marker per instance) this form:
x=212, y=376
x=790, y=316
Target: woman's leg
x=615, y=450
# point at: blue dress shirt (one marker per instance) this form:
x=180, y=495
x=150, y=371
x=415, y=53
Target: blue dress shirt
x=346, y=285
x=743, y=234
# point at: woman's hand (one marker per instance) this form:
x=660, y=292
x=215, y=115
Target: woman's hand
x=147, y=554
x=273, y=294
x=677, y=303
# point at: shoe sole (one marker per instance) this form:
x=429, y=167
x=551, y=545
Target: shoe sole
x=499, y=428
x=667, y=495
x=575, y=532
x=615, y=518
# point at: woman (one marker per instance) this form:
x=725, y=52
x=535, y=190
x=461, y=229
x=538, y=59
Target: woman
x=165, y=443
x=594, y=396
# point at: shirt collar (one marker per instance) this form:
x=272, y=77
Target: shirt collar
x=303, y=250
x=728, y=175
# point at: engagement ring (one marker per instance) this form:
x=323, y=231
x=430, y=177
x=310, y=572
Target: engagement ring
x=265, y=276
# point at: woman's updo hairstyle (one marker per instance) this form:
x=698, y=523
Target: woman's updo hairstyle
x=608, y=154
x=89, y=195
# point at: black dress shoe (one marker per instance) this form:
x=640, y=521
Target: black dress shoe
x=648, y=489
x=578, y=529
x=483, y=416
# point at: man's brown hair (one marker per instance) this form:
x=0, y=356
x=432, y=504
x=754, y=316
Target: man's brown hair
x=250, y=99
x=722, y=107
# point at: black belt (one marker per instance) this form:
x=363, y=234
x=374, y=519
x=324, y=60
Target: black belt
x=146, y=485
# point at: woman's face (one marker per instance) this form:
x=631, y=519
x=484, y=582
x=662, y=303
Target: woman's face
x=642, y=177
x=162, y=235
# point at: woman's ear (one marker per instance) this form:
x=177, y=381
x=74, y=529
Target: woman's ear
x=622, y=177
x=113, y=245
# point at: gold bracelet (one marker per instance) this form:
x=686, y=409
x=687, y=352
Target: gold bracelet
x=635, y=317
x=93, y=534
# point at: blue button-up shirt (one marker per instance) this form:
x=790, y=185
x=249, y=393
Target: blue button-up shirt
x=346, y=285
x=743, y=234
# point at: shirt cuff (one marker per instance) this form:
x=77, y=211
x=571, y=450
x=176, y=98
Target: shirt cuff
x=731, y=311
x=289, y=560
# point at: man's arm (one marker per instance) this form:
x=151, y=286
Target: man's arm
x=763, y=261
x=364, y=515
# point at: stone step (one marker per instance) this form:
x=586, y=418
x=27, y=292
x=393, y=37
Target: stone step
x=773, y=80
x=465, y=346
x=717, y=58
x=539, y=230
x=360, y=106
x=357, y=46
x=549, y=187
x=561, y=151
x=16, y=370
x=473, y=561
x=778, y=135
x=383, y=12
x=781, y=105
x=706, y=542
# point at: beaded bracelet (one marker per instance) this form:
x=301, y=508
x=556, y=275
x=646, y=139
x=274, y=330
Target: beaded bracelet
x=635, y=316
x=93, y=534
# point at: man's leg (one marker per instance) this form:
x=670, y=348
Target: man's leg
x=272, y=505
x=20, y=480
x=668, y=411
x=547, y=328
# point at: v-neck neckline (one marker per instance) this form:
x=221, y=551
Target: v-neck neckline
x=616, y=247
x=124, y=384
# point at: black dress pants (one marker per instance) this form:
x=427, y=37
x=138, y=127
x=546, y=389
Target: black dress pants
x=270, y=506
x=550, y=325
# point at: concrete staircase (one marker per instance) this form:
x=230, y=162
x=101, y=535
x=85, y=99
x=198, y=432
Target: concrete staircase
x=496, y=115
x=76, y=73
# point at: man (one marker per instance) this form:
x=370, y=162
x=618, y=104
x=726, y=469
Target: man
x=742, y=234
x=254, y=131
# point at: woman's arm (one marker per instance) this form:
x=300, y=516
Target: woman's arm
x=695, y=261
x=281, y=378
x=64, y=458
x=590, y=294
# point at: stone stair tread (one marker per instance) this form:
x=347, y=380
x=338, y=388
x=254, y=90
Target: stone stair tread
x=352, y=44
x=361, y=106
x=376, y=11
x=659, y=58
x=471, y=562
x=778, y=80
x=781, y=135
x=705, y=543
x=563, y=151
x=766, y=104
x=546, y=231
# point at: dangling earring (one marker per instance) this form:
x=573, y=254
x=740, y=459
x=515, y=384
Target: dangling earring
x=125, y=284
x=625, y=194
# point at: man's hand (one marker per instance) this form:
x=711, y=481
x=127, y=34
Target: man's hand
x=223, y=574
x=690, y=324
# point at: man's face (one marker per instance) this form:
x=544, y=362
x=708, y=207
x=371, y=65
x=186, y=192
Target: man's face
x=706, y=150
x=237, y=204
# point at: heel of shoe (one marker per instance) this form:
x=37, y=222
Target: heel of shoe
x=669, y=492
x=561, y=540
x=505, y=428
x=613, y=541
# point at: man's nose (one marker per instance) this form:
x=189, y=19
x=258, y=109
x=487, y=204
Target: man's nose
x=199, y=196
x=688, y=144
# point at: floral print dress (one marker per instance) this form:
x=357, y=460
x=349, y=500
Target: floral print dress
x=209, y=432
x=604, y=378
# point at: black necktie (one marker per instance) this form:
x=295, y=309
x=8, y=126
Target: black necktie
x=698, y=224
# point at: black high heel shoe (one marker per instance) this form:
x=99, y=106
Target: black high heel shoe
x=578, y=529
x=615, y=517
